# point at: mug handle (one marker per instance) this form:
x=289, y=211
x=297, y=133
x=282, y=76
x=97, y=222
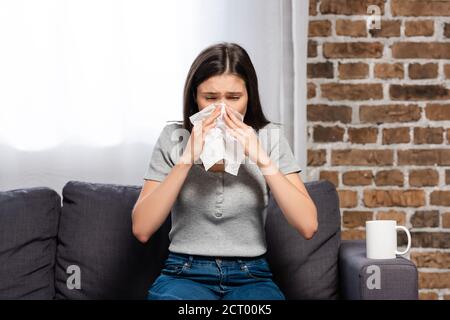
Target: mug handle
x=409, y=240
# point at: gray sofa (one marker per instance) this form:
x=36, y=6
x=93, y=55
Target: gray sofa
x=80, y=246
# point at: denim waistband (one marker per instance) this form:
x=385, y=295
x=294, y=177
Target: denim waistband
x=213, y=258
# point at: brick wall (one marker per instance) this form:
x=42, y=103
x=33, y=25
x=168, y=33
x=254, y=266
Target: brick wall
x=379, y=122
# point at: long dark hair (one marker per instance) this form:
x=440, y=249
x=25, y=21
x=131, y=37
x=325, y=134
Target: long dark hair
x=218, y=59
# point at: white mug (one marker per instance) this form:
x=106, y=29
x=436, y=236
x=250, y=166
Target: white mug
x=381, y=239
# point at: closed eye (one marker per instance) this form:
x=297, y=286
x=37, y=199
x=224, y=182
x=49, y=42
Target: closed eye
x=232, y=98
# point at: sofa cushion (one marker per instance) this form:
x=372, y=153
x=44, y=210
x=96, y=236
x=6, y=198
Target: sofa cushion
x=306, y=269
x=96, y=243
x=28, y=229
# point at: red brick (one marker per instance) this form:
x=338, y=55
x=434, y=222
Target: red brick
x=326, y=113
x=357, y=178
x=320, y=70
x=351, y=91
x=421, y=50
x=332, y=176
x=399, y=216
x=319, y=28
x=328, y=134
x=439, y=260
x=440, y=198
x=393, y=198
x=423, y=178
x=357, y=70
x=351, y=28
x=317, y=157
x=417, y=8
x=447, y=30
x=389, y=70
x=312, y=49
x=396, y=135
x=354, y=219
x=389, y=28
x=418, y=92
x=428, y=296
x=446, y=220
x=447, y=71
x=425, y=219
x=361, y=157
x=389, y=113
x=419, y=28
x=438, y=280
x=311, y=90
x=312, y=7
x=423, y=71
x=424, y=157
x=437, y=112
x=428, y=135
x=362, y=135
x=346, y=7
x=353, y=234
x=347, y=198
x=426, y=239
x=389, y=178
x=352, y=49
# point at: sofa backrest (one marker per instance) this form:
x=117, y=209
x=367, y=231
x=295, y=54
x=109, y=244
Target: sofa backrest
x=95, y=236
x=94, y=242
x=306, y=269
x=28, y=229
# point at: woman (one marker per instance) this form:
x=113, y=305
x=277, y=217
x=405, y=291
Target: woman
x=217, y=241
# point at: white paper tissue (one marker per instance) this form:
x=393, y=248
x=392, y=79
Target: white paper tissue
x=218, y=143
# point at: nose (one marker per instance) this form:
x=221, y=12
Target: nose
x=220, y=103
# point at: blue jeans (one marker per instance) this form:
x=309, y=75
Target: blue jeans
x=193, y=277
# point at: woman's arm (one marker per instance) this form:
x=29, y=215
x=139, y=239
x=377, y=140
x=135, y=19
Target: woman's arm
x=156, y=200
x=288, y=190
x=292, y=198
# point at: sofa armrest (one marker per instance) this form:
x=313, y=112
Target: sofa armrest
x=367, y=279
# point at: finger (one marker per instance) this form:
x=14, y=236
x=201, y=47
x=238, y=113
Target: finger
x=211, y=119
x=242, y=134
x=208, y=127
x=234, y=122
x=233, y=118
x=237, y=135
x=228, y=121
x=212, y=116
x=241, y=131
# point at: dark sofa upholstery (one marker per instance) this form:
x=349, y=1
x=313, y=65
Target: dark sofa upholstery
x=42, y=240
x=28, y=230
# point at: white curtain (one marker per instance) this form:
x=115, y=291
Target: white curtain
x=86, y=86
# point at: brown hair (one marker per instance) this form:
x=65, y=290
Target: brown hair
x=219, y=59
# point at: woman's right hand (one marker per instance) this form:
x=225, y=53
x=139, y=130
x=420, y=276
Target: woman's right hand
x=196, y=140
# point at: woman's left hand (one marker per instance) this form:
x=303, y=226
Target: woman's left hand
x=246, y=135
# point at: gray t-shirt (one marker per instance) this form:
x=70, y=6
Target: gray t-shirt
x=217, y=213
